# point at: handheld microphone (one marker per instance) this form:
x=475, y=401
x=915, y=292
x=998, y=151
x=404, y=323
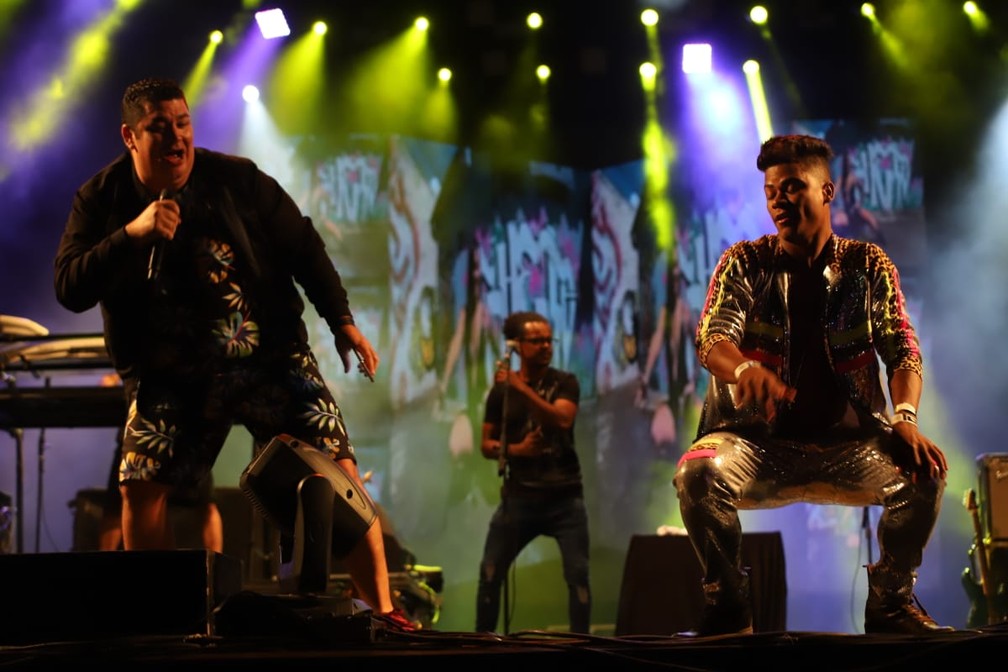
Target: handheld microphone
x=157, y=251
x=362, y=368
x=510, y=347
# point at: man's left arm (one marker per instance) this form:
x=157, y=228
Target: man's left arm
x=905, y=391
x=304, y=252
x=301, y=249
x=899, y=348
x=893, y=332
x=561, y=411
x=905, y=388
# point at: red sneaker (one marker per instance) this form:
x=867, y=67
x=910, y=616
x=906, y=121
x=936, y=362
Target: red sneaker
x=396, y=621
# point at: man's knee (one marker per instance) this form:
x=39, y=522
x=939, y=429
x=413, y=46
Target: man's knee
x=137, y=494
x=697, y=467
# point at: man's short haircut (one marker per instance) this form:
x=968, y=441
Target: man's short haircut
x=808, y=151
x=146, y=92
x=514, y=324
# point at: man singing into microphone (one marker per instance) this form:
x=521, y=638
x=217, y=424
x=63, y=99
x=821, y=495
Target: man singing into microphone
x=193, y=256
x=528, y=429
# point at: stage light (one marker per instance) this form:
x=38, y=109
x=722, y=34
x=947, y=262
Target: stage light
x=757, y=97
x=543, y=72
x=320, y=28
x=534, y=21
x=444, y=75
x=759, y=15
x=696, y=58
x=976, y=16
x=649, y=17
x=196, y=81
x=868, y=10
x=43, y=110
x=649, y=76
x=272, y=23
x=250, y=93
x=421, y=23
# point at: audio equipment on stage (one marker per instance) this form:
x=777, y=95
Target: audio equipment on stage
x=28, y=349
x=985, y=579
x=318, y=508
x=53, y=597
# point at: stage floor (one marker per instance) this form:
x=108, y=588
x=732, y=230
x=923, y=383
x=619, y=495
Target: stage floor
x=102, y=609
x=361, y=641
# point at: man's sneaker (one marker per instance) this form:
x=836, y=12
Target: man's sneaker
x=908, y=618
x=395, y=621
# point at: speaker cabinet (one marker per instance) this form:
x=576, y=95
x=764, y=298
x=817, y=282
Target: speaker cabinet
x=661, y=593
x=51, y=597
x=993, y=476
x=244, y=528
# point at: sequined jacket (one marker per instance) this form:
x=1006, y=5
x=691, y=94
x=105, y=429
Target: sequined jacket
x=865, y=320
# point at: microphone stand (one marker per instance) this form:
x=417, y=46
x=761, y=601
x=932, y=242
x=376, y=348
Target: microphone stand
x=866, y=526
x=502, y=471
x=39, y=500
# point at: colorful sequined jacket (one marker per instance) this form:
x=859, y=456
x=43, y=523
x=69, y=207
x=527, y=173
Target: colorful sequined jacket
x=864, y=317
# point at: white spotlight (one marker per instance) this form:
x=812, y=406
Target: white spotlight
x=272, y=23
x=696, y=58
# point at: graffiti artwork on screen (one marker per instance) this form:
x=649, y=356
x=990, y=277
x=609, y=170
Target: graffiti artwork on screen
x=509, y=244
x=440, y=244
x=338, y=183
x=881, y=189
x=623, y=450
x=415, y=487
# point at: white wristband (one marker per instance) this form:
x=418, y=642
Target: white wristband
x=904, y=416
x=743, y=366
x=906, y=406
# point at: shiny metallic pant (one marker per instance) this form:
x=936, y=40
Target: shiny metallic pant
x=723, y=473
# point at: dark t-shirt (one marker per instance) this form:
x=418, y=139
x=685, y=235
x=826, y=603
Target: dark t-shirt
x=820, y=403
x=555, y=472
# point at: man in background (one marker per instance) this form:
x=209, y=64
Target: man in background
x=528, y=428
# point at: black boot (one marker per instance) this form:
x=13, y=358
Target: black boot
x=727, y=609
x=892, y=608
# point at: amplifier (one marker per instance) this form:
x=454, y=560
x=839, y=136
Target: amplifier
x=55, y=597
x=992, y=471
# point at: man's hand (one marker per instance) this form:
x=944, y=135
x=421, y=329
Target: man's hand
x=504, y=374
x=928, y=457
x=533, y=444
x=760, y=385
x=158, y=221
x=350, y=339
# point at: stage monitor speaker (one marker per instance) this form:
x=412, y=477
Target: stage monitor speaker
x=243, y=528
x=272, y=482
x=993, y=476
x=52, y=597
x=661, y=593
